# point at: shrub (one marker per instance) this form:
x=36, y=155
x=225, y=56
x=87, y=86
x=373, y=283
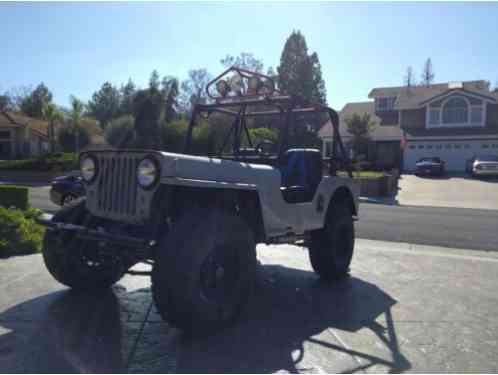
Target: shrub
x=19, y=232
x=121, y=132
x=67, y=138
x=14, y=196
x=47, y=162
x=173, y=135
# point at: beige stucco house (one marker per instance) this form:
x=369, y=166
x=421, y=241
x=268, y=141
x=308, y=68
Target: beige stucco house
x=22, y=136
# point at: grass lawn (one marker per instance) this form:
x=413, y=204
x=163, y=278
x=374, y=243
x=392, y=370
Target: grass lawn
x=363, y=174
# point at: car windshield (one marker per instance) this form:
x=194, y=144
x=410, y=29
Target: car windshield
x=487, y=158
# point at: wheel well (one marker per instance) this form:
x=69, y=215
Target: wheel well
x=244, y=203
x=343, y=194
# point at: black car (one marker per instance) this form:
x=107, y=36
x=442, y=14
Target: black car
x=66, y=189
x=430, y=166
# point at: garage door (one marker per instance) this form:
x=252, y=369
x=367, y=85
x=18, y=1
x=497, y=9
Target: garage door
x=454, y=153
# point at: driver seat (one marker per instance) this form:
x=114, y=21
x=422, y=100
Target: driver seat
x=301, y=170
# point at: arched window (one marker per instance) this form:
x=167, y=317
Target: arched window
x=455, y=111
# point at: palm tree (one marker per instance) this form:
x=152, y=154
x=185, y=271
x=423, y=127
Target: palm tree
x=53, y=115
x=75, y=116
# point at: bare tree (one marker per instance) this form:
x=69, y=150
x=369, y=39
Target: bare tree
x=427, y=73
x=193, y=89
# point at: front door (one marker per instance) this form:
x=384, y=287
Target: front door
x=5, y=150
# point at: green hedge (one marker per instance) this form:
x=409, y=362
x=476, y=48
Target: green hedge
x=19, y=232
x=48, y=162
x=14, y=196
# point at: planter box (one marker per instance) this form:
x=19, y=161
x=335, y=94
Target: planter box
x=384, y=186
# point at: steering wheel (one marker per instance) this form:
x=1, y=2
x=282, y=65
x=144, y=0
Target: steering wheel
x=265, y=147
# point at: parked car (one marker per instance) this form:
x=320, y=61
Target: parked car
x=482, y=165
x=66, y=189
x=432, y=166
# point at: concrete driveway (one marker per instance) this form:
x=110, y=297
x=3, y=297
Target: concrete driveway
x=405, y=308
x=448, y=191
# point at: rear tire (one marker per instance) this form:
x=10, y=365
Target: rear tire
x=204, y=271
x=331, y=248
x=62, y=254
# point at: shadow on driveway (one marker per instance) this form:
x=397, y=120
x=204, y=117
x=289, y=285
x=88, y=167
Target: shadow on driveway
x=115, y=331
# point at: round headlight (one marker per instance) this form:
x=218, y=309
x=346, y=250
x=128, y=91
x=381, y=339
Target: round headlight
x=147, y=173
x=88, y=168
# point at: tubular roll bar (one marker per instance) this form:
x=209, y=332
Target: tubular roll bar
x=286, y=105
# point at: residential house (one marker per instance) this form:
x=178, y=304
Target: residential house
x=453, y=121
x=384, y=144
x=22, y=136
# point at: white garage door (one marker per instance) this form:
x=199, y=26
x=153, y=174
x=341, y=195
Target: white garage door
x=454, y=153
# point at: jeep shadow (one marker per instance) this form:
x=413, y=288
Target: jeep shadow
x=290, y=309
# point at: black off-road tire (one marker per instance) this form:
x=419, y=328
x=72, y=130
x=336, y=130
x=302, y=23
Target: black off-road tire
x=199, y=240
x=331, y=248
x=60, y=254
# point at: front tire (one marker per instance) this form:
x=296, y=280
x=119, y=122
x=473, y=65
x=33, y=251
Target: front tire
x=204, y=271
x=331, y=248
x=63, y=254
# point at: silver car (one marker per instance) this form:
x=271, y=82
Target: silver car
x=485, y=165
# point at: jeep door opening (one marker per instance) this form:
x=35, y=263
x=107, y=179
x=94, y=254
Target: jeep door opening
x=197, y=219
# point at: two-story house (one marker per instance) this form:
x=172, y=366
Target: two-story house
x=453, y=121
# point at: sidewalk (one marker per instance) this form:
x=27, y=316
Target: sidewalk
x=405, y=308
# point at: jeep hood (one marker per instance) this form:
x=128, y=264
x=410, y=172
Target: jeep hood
x=209, y=169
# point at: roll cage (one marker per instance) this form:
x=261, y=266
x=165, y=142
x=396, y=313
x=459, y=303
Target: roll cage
x=260, y=98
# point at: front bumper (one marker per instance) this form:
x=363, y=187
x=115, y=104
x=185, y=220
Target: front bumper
x=101, y=236
x=485, y=172
x=55, y=197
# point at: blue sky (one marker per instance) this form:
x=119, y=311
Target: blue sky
x=75, y=47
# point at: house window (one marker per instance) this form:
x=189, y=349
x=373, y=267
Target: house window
x=385, y=104
x=4, y=134
x=412, y=147
x=447, y=146
x=429, y=147
x=484, y=145
x=455, y=111
x=439, y=147
x=457, y=146
x=476, y=114
x=420, y=146
x=434, y=116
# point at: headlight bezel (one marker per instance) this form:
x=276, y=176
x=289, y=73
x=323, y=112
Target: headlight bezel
x=157, y=175
x=83, y=159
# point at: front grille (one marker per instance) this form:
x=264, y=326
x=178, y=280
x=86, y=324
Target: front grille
x=115, y=193
x=116, y=185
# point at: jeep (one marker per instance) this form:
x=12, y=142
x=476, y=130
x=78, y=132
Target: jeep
x=196, y=219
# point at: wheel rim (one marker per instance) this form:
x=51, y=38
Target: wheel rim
x=219, y=275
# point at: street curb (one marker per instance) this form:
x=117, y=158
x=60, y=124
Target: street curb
x=426, y=250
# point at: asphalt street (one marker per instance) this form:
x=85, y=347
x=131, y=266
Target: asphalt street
x=404, y=309
x=449, y=227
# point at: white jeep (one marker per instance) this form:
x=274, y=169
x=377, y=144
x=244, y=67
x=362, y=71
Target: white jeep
x=197, y=219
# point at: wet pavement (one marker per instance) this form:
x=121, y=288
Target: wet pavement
x=405, y=308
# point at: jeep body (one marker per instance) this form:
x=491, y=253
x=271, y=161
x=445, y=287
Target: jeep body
x=197, y=218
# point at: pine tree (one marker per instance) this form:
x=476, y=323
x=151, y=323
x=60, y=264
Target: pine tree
x=128, y=91
x=299, y=73
x=428, y=73
x=409, y=81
